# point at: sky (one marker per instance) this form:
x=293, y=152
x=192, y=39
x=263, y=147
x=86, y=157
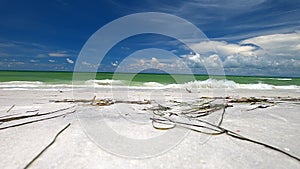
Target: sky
x=257, y=37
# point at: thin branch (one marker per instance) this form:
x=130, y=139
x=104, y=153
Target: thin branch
x=7, y=119
x=10, y=108
x=237, y=136
x=260, y=107
x=101, y=102
x=34, y=121
x=37, y=156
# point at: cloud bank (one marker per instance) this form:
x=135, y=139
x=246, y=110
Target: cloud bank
x=275, y=54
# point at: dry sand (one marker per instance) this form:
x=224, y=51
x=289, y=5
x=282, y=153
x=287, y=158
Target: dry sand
x=75, y=148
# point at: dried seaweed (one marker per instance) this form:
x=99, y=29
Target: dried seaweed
x=197, y=124
x=193, y=114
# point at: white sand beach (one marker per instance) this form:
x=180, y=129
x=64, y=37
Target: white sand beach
x=78, y=147
x=115, y=84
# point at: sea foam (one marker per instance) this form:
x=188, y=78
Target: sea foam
x=108, y=83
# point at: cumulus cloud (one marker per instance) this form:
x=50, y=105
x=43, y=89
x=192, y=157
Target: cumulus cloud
x=142, y=62
x=70, y=61
x=147, y=63
x=115, y=64
x=277, y=44
x=279, y=52
x=154, y=62
x=224, y=48
x=195, y=60
x=167, y=64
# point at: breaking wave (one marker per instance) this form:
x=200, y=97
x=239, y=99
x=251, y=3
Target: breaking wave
x=108, y=83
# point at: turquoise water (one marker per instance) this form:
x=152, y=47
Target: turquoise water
x=66, y=78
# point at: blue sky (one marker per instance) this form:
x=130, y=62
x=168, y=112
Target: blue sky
x=258, y=37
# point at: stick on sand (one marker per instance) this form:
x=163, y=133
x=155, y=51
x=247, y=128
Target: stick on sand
x=10, y=108
x=37, y=156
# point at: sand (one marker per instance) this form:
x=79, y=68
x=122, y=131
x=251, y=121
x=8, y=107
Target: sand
x=134, y=142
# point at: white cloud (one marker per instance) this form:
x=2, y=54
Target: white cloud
x=115, y=64
x=277, y=52
x=51, y=60
x=165, y=63
x=85, y=63
x=154, y=60
x=277, y=44
x=142, y=62
x=59, y=54
x=33, y=61
x=195, y=58
x=90, y=65
x=70, y=61
x=223, y=48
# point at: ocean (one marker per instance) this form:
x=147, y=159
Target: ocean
x=43, y=79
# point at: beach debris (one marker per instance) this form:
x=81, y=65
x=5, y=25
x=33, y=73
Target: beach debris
x=14, y=117
x=190, y=115
x=93, y=100
x=251, y=100
x=289, y=99
x=188, y=90
x=133, y=102
x=31, y=111
x=192, y=119
x=44, y=149
x=159, y=107
x=43, y=116
x=102, y=102
x=10, y=108
x=264, y=102
x=260, y=107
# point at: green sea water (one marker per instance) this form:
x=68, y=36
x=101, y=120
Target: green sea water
x=66, y=78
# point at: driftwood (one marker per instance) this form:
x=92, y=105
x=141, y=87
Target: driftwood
x=248, y=100
x=260, y=107
x=188, y=90
x=44, y=116
x=38, y=120
x=101, y=102
x=10, y=108
x=159, y=107
x=52, y=142
x=13, y=117
x=289, y=99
